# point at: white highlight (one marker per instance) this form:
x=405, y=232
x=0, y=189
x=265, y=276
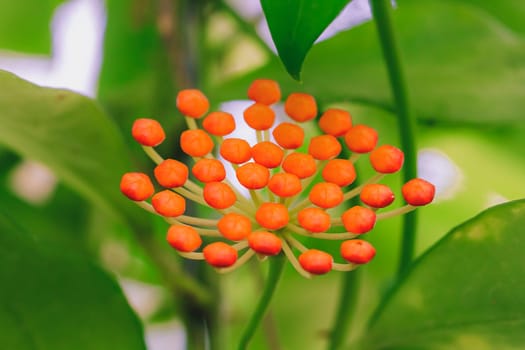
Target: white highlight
x=436, y=167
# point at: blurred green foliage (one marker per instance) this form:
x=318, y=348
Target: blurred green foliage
x=465, y=70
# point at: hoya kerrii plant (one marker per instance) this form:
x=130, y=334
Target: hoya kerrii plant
x=290, y=224
x=285, y=200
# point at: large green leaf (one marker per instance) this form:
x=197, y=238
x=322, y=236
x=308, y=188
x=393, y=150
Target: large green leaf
x=25, y=25
x=51, y=299
x=296, y=24
x=462, y=66
x=71, y=135
x=465, y=293
x=510, y=12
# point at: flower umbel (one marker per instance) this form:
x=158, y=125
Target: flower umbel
x=284, y=201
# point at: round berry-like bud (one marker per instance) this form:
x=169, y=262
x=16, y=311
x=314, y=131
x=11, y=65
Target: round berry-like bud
x=387, y=159
x=357, y=251
x=264, y=91
x=272, y=216
x=168, y=203
x=209, y=170
x=196, y=143
x=300, y=107
x=361, y=139
x=259, y=116
x=236, y=151
x=326, y=195
x=285, y=185
x=267, y=154
x=316, y=262
x=136, y=186
x=183, y=238
x=418, y=192
x=253, y=176
x=288, y=135
x=219, y=195
x=220, y=254
x=265, y=243
x=324, y=147
x=359, y=219
x=377, y=195
x=340, y=172
x=314, y=219
x=148, y=132
x=300, y=164
x=219, y=123
x=335, y=122
x=171, y=173
x=192, y=103
x=234, y=226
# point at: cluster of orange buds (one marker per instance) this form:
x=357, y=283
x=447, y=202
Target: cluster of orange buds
x=291, y=193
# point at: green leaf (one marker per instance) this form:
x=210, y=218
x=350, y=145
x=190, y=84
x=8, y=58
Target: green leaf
x=51, y=299
x=465, y=293
x=71, y=135
x=296, y=24
x=509, y=12
x=462, y=66
x=25, y=25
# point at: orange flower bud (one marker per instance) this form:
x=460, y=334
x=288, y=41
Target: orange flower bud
x=253, y=176
x=340, y=172
x=314, y=219
x=316, y=262
x=324, y=147
x=171, y=173
x=234, y=226
x=264, y=91
x=209, y=170
x=299, y=164
x=359, y=219
x=183, y=238
x=168, y=203
x=236, y=151
x=377, y=195
x=272, y=216
x=418, y=192
x=259, y=116
x=265, y=243
x=192, y=103
x=285, y=185
x=196, y=143
x=218, y=195
x=335, y=122
x=387, y=159
x=267, y=154
x=136, y=186
x=301, y=107
x=326, y=195
x=361, y=139
x=288, y=135
x=219, y=123
x=148, y=132
x=220, y=254
x=357, y=251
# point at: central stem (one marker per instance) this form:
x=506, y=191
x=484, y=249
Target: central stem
x=274, y=275
x=407, y=125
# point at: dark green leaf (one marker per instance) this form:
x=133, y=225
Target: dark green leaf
x=462, y=66
x=71, y=135
x=296, y=24
x=51, y=299
x=465, y=293
x=25, y=26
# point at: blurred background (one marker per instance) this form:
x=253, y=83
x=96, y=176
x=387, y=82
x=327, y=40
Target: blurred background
x=465, y=63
